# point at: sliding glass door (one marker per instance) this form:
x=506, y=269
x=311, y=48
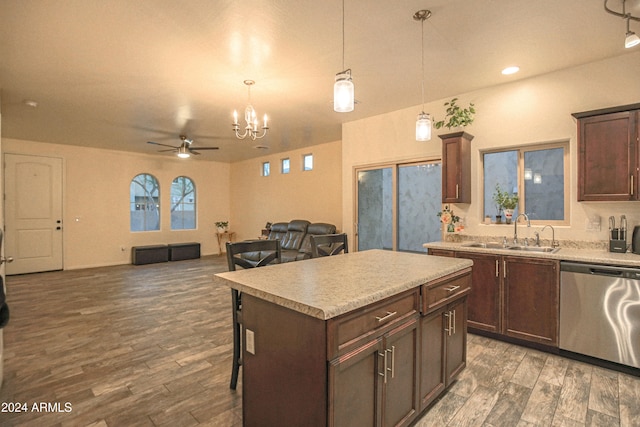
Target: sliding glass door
x=397, y=206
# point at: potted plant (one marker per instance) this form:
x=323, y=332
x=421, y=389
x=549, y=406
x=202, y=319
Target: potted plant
x=506, y=202
x=222, y=226
x=456, y=115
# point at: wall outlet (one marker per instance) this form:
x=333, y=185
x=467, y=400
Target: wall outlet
x=250, y=343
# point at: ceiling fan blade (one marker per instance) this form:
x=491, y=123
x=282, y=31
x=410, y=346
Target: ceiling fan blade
x=205, y=148
x=157, y=143
x=194, y=152
x=164, y=151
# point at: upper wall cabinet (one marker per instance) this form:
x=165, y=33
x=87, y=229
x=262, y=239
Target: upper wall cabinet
x=608, y=154
x=456, y=167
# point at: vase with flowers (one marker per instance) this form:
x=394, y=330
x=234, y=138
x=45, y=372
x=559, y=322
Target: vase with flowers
x=448, y=219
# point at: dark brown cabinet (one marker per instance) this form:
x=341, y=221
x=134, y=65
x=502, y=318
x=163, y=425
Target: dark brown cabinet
x=443, y=336
x=608, y=154
x=513, y=296
x=531, y=299
x=484, y=299
x=456, y=167
x=377, y=383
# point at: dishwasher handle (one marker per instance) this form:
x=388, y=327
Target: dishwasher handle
x=600, y=270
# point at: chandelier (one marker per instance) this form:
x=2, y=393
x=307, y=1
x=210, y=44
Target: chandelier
x=250, y=117
x=423, y=123
x=631, y=39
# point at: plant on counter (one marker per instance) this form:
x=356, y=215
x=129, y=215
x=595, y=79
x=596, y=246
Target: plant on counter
x=456, y=116
x=222, y=226
x=505, y=201
x=448, y=218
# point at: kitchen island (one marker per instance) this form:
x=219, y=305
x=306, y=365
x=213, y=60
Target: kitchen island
x=365, y=338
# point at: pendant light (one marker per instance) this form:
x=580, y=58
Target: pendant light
x=343, y=90
x=423, y=123
x=631, y=39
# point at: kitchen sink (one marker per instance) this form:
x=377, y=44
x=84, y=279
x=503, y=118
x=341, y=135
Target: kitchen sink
x=547, y=249
x=488, y=245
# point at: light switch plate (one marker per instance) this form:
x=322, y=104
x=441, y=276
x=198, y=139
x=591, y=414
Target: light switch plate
x=250, y=343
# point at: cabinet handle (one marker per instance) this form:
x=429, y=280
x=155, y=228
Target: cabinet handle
x=384, y=366
x=632, y=185
x=393, y=360
x=447, y=329
x=386, y=317
x=453, y=322
x=497, y=269
x=451, y=288
x=457, y=191
x=504, y=269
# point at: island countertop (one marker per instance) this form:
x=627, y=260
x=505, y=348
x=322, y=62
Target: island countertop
x=330, y=286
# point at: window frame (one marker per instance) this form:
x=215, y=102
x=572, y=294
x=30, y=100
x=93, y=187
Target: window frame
x=157, y=202
x=265, y=169
x=288, y=168
x=182, y=203
x=521, y=150
x=304, y=162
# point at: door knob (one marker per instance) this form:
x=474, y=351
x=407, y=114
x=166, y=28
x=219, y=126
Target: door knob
x=7, y=260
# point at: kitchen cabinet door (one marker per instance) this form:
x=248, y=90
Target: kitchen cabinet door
x=400, y=398
x=355, y=383
x=456, y=167
x=484, y=300
x=456, y=339
x=531, y=299
x=432, y=343
x=608, y=157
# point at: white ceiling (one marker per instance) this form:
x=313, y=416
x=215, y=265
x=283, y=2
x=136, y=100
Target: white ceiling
x=116, y=74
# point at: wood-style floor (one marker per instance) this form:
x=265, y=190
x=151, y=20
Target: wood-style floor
x=151, y=346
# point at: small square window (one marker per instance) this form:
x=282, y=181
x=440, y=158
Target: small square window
x=286, y=164
x=307, y=162
x=266, y=169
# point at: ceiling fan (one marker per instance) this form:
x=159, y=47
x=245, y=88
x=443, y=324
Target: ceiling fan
x=185, y=149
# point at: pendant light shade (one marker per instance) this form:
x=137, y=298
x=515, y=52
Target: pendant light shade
x=343, y=93
x=423, y=127
x=631, y=40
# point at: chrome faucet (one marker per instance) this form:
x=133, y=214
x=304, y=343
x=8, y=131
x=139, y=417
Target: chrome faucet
x=554, y=244
x=515, y=226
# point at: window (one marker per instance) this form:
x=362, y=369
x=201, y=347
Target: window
x=397, y=206
x=307, y=162
x=286, y=164
x=266, y=169
x=144, y=194
x=183, y=204
x=537, y=174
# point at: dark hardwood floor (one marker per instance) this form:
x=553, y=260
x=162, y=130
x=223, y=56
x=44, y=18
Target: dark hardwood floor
x=151, y=346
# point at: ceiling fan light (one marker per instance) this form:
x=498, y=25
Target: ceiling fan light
x=183, y=153
x=343, y=93
x=631, y=40
x=423, y=127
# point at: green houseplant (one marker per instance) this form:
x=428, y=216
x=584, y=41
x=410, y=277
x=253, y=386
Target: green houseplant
x=456, y=115
x=506, y=202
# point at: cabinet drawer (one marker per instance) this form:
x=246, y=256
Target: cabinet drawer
x=346, y=332
x=445, y=290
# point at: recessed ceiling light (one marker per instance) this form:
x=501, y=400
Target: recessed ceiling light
x=510, y=70
x=30, y=103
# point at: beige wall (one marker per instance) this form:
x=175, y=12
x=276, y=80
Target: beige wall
x=96, y=196
x=529, y=111
x=312, y=195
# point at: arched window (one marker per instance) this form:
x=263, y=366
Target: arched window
x=183, y=204
x=145, y=203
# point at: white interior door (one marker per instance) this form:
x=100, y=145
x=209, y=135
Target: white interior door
x=33, y=213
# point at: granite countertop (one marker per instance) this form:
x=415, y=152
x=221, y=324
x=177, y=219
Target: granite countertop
x=330, y=286
x=595, y=256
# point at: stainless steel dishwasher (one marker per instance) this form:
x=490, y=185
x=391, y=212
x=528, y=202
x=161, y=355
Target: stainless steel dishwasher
x=600, y=312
